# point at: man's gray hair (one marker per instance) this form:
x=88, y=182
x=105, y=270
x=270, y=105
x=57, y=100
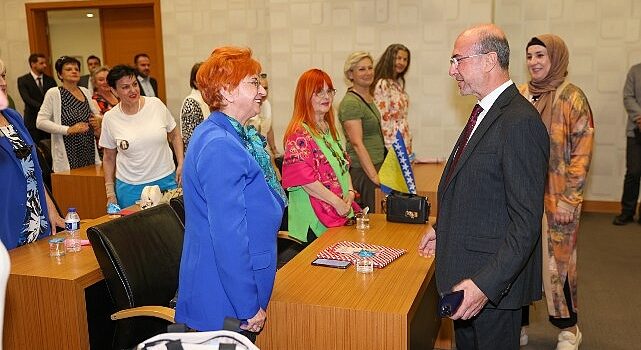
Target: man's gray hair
x=489, y=41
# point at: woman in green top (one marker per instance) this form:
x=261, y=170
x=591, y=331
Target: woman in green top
x=361, y=122
x=315, y=167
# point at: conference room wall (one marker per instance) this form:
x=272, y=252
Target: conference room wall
x=290, y=36
x=78, y=37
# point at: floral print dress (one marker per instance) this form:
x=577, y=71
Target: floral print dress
x=392, y=101
x=571, y=133
x=35, y=224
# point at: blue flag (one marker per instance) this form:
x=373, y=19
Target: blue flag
x=396, y=172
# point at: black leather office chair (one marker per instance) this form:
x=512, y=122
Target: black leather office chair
x=178, y=205
x=288, y=246
x=139, y=256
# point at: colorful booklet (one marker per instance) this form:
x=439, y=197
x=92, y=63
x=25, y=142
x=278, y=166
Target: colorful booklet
x=356, y=251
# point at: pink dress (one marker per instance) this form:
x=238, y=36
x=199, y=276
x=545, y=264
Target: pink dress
x=304, y=163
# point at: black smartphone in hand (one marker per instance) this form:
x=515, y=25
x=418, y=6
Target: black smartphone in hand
x=449, y=303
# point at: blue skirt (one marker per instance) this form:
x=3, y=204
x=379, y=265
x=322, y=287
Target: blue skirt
x=127, y=194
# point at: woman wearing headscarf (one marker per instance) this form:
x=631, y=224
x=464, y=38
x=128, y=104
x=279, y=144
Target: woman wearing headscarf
x=233, y=202
x=26, y=211
x=389, y=93
x=362, y=124
x=315, y=166
x=67, y=113
x=567, y=116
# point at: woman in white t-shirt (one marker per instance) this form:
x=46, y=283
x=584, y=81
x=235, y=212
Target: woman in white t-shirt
x=134, y=136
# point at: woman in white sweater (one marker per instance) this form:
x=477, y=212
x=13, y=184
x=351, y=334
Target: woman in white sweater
x=67, y=113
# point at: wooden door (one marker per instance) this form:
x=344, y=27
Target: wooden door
x=127, y=32
x=128, y=27
x=39, y=37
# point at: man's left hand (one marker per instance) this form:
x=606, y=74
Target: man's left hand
x=473, y=300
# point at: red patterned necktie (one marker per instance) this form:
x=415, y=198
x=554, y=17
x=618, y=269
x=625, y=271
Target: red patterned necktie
x=463, y=139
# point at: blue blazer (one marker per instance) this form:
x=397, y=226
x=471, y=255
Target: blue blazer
x=490, y=211
x=228, y=262
x=13, y=184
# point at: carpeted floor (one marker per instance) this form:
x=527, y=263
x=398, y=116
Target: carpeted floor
x=609, y=263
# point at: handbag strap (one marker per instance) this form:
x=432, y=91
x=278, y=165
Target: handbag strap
x=362, y=99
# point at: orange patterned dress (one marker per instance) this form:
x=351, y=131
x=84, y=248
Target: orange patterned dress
x=571, y=136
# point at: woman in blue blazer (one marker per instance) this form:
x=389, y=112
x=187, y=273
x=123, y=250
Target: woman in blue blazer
x=233, y=202
x=25, y=206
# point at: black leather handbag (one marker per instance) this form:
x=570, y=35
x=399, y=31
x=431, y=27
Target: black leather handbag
x=407, y=208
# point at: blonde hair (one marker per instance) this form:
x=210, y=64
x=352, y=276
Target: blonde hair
x=98, y=70
x=352, y=60
x=3, y=68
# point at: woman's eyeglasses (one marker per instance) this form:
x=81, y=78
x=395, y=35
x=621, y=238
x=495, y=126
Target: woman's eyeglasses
x=325, y=93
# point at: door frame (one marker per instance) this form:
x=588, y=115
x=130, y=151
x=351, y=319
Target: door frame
x=39, y=36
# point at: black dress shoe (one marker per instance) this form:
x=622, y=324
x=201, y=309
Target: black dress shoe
x=621, y=220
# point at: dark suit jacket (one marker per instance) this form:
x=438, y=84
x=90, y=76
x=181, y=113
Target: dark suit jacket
x=84, y=81
x=154, y=85
x=489, y=214
x=33, y=97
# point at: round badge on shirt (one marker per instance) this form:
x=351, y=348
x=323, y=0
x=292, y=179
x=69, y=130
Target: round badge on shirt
x=123, y=144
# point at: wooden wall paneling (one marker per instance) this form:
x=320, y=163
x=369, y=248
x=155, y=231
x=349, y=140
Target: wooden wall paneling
x=129, y=31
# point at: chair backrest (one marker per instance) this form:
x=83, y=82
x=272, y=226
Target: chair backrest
x=139, y=256
x=178, y=205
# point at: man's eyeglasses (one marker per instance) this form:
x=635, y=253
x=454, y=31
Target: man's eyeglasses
x=456, y=60
x=325, y=93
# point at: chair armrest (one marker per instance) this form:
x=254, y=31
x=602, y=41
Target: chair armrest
x=152, y=311
x=285, y=235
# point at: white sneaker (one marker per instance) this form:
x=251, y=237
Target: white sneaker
x=569, y=341
x=523, y=340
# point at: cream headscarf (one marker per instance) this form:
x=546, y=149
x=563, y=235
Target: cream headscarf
x=546, y=88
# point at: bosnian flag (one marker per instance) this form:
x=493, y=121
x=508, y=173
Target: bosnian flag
x=396, y=172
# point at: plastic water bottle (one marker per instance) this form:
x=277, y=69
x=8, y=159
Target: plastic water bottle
x=72, y=226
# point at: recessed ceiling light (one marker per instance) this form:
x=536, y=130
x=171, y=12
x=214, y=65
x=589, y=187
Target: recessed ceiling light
x=89, y=15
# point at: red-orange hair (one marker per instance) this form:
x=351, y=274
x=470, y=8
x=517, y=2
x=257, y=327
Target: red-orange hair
x=224, y=69
x=310, y=82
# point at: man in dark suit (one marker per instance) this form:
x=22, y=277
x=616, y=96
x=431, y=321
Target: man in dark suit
x=32, y=87
x=93, y=62
x=148, y=85
x=490, y=199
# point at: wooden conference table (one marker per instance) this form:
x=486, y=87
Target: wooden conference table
x=57, y=303
x=81, y=188
x=427, y=177
x=315, y=307
x=48, y=299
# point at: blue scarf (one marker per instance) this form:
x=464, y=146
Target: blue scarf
x=255, y=143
